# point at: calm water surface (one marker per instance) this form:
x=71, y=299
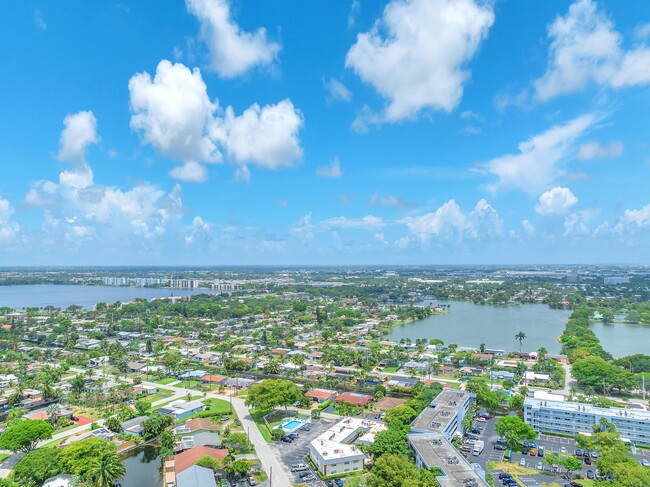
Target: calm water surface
x=469, y=325
x=62, y=296
x=623, y=339
x=143, y=468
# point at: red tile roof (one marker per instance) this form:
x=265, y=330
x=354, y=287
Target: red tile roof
x=189, y=457
x=354, y=398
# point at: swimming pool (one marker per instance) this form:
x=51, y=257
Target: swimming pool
x=291, y=424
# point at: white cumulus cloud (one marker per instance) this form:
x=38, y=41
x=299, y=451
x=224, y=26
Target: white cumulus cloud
x=367, y=222
x=80, y=130
x=336, y=91
x=587, y=49
x=555, y=202
x=536, y=166
x=174, y=114
x=415, y=55
x=449, y=222
x=233, y=51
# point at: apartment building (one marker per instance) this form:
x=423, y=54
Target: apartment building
x=572, y=418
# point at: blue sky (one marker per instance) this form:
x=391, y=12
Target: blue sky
x=351, y=132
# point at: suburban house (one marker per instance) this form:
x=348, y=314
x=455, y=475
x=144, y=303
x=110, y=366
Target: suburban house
x=189, y=457
x=135, y=366
x=196, y=476
x=320, y=395
x=182, y=409
x=214, y=379
x=360, y=400
x=400, y=381
x=531, y=377
x=134, y=426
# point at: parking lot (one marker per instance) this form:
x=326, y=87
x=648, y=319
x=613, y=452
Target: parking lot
x=295, y=452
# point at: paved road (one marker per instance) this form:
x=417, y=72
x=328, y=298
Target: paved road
x=270, y=463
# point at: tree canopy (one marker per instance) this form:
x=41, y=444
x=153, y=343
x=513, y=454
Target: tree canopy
x=25, y=435
x=514, y=430
x=271, y=393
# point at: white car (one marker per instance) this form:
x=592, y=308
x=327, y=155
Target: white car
x=540, y=466
x=562, y=450
x=481, y=420
x=522, y=462
x=645, y=462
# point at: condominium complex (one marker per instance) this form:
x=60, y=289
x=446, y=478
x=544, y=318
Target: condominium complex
x=336, y=450
x=431, y=435
x=572, y=418
x=184, y=283
x=445, y=414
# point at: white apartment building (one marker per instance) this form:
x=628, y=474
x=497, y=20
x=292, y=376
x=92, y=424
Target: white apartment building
x=335, y=451
x=572, y=418
x=445, y=414
x=431, y=435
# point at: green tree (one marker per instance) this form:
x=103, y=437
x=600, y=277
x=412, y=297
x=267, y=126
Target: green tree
x=520, y=337
x=37, y=466
x=571, y=464
x=78, y=384
x=514, y=430
x=271, y=393
x=142, y=407
x=241, y=467
x=113, y=424
x=397, y=471
x=76, y=458
x=393, y=440
x=25, y=435
x=517, y=403
x=400, y=416
x=155, y=425
x=105, y=469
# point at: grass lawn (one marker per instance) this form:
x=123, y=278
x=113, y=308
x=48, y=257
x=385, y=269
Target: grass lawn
x=162, y=393
x=258, y=417
x=4, y=456
x=87, y=412
x=390, y=369
x=54, y=443
x=189, y=384
x=168, y=380
x=215, y=407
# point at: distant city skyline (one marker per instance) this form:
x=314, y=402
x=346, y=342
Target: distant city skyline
x=410, y=132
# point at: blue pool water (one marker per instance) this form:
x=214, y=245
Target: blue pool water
x=292, y=425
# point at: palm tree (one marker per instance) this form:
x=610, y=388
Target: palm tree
x=521, y=336
x=106, y=469
x=541, y=354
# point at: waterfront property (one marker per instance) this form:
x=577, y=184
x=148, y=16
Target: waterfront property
x=335, y=451
x=571, y=418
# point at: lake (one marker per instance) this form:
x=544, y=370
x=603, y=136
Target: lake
x=623, y=339
x=469, y=325
x=62, y=296
x=143, y=468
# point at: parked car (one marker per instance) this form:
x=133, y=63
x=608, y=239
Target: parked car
x=533, y=444
x=481, y=420
x=504, y=475
x=299, y=467
x=533, y=452
x=562, y=450
x=286, y=439
x=594, y=454
x=525, y=450
x=252, y=481
x=225, y=418
x=645, y=462
x=590, y=474
x=587, y=461
x=522, y=462
x=540, y=451
x=540, y=466
x=377, y=416
x=499, y=446
x=339, y=482
x=293, y=436
x=578, y=453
